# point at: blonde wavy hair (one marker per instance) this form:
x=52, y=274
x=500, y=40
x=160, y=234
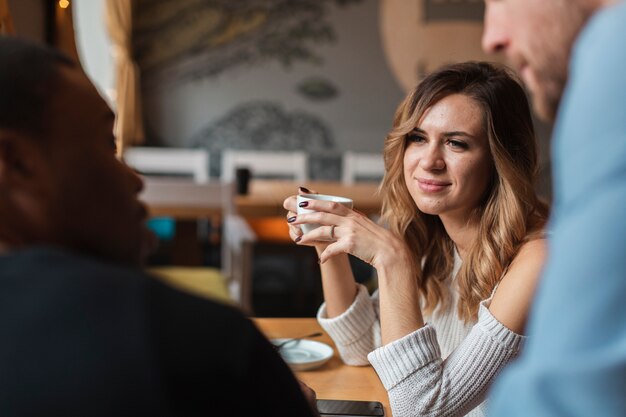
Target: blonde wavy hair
x=511, y=212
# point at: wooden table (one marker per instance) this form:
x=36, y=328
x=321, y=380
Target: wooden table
x=186, y=200
x=266, y=196
x=334, y=380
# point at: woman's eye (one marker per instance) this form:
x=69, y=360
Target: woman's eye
x=415, y=138
x=457, y=144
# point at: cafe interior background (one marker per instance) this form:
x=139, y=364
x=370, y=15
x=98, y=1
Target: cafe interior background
x=318, y=76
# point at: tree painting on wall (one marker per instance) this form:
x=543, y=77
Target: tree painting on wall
x=266, y=75
x=203, y=38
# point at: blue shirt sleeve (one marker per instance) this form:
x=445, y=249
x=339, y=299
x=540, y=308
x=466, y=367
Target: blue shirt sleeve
x=574, y=363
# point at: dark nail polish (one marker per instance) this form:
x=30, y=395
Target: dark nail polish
x=298, y=239
x=303, y=204
x=304, y=190
x=291, y=219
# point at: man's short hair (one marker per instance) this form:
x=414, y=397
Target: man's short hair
x=28, y=74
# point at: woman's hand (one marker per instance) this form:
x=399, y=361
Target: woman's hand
x=337, y=278
x=295, y=232
x=344, y=230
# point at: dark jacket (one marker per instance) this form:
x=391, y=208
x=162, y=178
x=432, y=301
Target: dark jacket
x=82, y=338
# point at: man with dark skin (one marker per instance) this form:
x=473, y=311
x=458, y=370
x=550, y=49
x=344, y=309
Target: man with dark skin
x=83, y=331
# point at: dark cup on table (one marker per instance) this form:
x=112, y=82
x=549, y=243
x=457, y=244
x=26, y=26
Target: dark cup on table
x=242, y=178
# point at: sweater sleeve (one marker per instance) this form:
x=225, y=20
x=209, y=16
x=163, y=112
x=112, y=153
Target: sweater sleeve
x=356, y=332
x=420, y=383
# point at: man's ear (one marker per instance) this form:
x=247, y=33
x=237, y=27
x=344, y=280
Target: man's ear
x=19, y=156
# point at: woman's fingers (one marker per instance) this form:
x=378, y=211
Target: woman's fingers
x=327, y=207
x=294, y=230
x=336, y=248
x=354, y=235
x=294, y=235
x=290, y=204
x=320, y=234
x=320, y=218
x=291, y=217
x=304, y=190
x=326, y=213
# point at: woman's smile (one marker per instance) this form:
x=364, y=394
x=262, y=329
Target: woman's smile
x=431, y=185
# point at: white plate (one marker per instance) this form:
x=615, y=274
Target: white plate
x=304, y=354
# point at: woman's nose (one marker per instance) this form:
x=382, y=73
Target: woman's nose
x=432, y=159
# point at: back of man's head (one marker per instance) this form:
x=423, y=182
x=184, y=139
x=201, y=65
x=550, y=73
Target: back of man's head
x=28, y=74
x=61, y=184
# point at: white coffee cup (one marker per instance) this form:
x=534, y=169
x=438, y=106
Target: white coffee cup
x=307, y=227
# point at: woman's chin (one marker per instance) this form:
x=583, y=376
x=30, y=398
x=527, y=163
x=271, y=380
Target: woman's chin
x=433, y=211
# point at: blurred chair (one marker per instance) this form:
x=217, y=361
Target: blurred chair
x=291, y=165
x=237, y=247
x=182, y=162
x=265, y=164
x=232, y=281
x=215, y=198
x=169, y=161
x=270, y=232
x=362, y=166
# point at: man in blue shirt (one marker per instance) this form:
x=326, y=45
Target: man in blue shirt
x=572, y=56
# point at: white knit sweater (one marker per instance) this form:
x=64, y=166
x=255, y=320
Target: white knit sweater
x=443, y=369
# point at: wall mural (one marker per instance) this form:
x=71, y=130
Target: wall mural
x=265, y=74
x=318, y=89
x=268, y=126
x=200, y=38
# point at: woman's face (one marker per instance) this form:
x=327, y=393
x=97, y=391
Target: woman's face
x=447, y=162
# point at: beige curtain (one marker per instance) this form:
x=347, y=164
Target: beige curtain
x=128, y=123
x=6, y=24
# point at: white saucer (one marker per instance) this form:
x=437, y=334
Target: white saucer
x=304, y=354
